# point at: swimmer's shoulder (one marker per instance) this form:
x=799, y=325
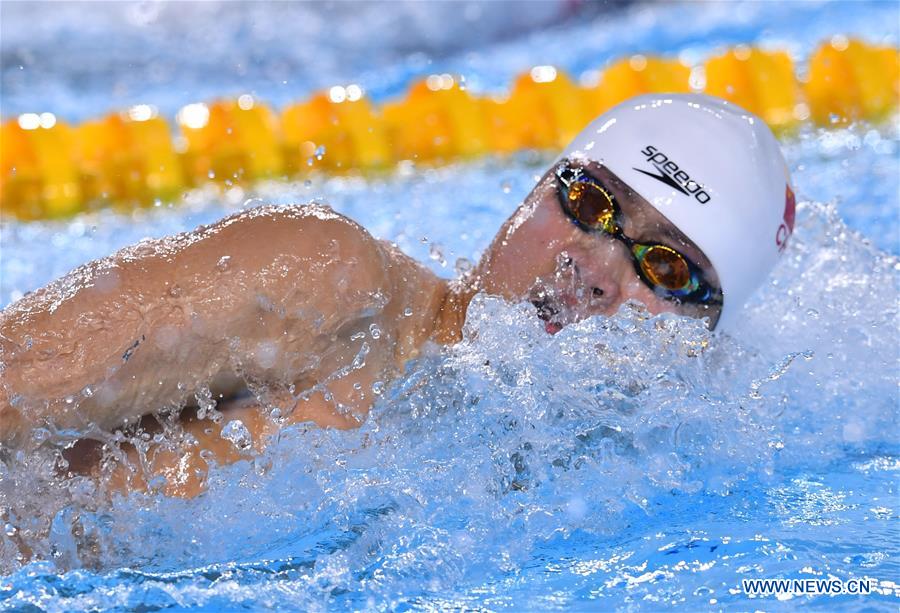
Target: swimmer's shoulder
x=313, y=233
x=312, y=241
x=293, y=224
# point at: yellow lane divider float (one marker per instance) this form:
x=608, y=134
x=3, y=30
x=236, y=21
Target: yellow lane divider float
x=51, y=169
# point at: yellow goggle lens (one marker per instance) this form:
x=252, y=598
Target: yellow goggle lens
x=666, y=268
x=592, y=206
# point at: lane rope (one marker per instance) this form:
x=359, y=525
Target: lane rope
x=133, y=158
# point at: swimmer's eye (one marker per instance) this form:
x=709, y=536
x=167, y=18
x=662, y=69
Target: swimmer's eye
x=593, y=208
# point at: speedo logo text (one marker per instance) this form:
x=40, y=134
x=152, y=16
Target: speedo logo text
x=673, y=176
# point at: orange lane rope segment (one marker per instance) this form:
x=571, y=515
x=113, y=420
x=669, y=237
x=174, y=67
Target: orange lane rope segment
x=50, y=169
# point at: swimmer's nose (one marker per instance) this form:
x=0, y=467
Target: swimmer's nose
x=603, y=294
x=603, y=274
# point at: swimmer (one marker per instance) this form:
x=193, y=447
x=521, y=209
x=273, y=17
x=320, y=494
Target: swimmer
x=283, y=315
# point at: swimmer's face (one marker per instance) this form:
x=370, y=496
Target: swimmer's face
x=570, y=274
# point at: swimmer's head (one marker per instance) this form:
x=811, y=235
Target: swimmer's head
x=682, y=202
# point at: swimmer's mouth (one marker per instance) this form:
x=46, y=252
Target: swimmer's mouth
x=549, y=313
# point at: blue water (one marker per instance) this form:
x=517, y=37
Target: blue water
x=617, y=464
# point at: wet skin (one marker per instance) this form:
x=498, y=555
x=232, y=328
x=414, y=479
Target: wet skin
x=300, y=302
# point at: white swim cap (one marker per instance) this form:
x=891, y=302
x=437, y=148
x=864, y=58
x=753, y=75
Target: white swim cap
x=711, y=168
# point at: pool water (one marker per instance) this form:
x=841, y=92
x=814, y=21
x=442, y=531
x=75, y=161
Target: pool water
x=615, y=465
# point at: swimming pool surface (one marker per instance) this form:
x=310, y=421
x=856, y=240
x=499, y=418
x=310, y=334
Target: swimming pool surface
x=611, y=466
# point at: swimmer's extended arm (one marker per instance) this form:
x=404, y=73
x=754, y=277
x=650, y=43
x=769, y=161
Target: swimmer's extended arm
x=266, y=292
x=183, y=471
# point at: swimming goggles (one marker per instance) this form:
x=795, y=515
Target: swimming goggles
x=593, y=208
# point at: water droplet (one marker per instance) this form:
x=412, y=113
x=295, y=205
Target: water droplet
x=223, y=263
x=360, y=359
x=206, y=405
x=266, y=354
x=320, y=152
x=463, y=266
x=407, y=312
x=211, y=174
x=9, y=530
x=436, y=253
x=378, y=388
x=576, y=508
x=262, y=465
x=375, y=331
x=506, y=186
x=236, y=432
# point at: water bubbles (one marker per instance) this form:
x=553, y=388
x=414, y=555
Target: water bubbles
x=576, y=509
x=506, y=186
x=236, y=432
x=436, y=253
x=266, y=354
x=157, y=483
x=206, y=405
x=854, y=431
x=777, y=371
x=224, y=263
x=621, y=416
x=320, y=152
x=262, y=465
x=374, y=331
x=463, y=266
